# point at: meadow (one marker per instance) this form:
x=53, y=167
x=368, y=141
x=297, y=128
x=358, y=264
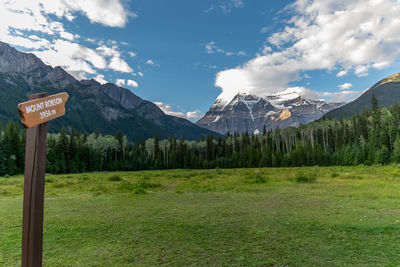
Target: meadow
x=308, y=216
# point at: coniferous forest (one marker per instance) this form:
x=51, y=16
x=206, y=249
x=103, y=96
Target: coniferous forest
x=371, y=137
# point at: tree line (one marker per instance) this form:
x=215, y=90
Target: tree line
x=371, y=137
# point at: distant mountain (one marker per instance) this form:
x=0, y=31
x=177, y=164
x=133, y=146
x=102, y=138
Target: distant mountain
x=387, y=91
x=91, y=106
x=250, y=113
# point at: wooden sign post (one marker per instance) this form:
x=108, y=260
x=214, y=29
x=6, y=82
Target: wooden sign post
x=35, y=114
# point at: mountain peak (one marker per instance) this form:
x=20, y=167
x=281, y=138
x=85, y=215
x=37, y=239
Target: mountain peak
x=250, y=113
x=387, y=91
x=92, y=106
x=11, y=60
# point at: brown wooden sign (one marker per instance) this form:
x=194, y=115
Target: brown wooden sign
x=42, y=110
x=35, y=114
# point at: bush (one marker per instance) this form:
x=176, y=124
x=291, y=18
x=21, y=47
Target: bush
x=302, y=177
x=259, y=179
x=115, y=178
x=140, y=187
x=256, y=178
x=83, y=177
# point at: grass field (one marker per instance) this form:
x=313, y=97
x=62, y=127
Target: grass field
x=251, y=217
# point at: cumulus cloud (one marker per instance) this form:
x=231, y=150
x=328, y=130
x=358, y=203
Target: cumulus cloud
x=150, y=62
x=100, y=79
x=106, y=12
x=345, y=86
x=128, y=82
x=348, y=36
x=341, y=96
x=342, y=73
x=194, y=114
x=167, y=109
x=132, y=83
x=37, y=26
x=120, y=82
x=118, y=64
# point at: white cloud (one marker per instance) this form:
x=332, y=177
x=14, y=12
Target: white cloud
x=304, y=92
x=341, y=96
x=193, y=114
x=120, y=82
x=150, y=62
x=110, y=13
x=342, y=73
x=265, y=29
x=211, y=8
x=108, y=51
x=345, y=86
x=123, y=82
x=100, y=79
x=322, y=35
x=120, y=65
x=37, y=25
x=211, y=48
x=132, y=54
x=228, y=5
x=328, y=96
x=73, y=57
x=167, y=109
x=140, y=74
x=68, y=36
x=132, y=83
x=361, y=70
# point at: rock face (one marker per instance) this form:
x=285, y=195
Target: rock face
x=249, y=113
x=91, y=107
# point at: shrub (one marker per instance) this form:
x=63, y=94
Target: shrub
x=83, y=177
x=140, y=187
x=259, y=178
x=146, y=184
x=115, y=178
x=256, y=178
x=302, y=177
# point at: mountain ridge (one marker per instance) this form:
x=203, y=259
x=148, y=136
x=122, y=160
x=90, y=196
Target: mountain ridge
x=92, y=106
x=387, y=91
x=251, y=113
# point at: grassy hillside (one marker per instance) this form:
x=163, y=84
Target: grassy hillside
x=313, y=216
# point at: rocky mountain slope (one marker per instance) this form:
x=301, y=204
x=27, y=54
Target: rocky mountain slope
x=91, y=106
x=250, y=113
x=387, y=91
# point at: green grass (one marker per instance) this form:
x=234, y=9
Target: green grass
x=313, y=216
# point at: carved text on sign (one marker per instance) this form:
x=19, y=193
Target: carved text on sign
x=41, y=110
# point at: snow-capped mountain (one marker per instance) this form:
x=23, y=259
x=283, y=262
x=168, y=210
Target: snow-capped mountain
x=250, y=113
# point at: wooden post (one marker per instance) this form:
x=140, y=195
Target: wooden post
x=35, y=168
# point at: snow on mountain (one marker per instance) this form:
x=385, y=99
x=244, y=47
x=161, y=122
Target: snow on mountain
x=250, y=113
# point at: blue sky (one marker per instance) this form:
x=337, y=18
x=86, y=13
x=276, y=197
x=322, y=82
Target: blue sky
x=184, y=54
